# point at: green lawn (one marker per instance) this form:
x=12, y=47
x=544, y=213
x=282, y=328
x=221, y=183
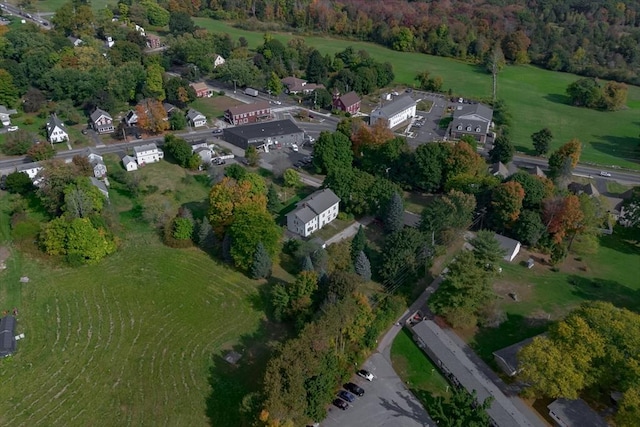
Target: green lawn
x=53, y=5
x=611, y=275
x=534, y=96
x=415, y=369
x=136, y=339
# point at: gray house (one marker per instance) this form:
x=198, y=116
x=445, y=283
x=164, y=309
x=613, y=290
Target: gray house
x=96, y=160
x=263, y=135
x=7, y=336
x=574, y=413
x=473, y=120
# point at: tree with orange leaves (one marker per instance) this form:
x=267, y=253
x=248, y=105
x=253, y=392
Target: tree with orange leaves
x=506, y=201
x=152, y=116
x=563, y=217
x=464, y=160
x=370, y=137
x=565, y=159
x=227, y=196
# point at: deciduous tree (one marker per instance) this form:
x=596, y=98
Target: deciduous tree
x=252, y=224
x=229, y=195
x=152, y=116
x=529, y=228
x=506, y=203
x=332, y=151
x=502, y=150
x=252, y=155
x=563, y=216
x=542, y=140
x=18, y=183
x=291, y=178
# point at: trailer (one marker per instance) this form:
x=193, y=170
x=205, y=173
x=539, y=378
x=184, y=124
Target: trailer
x=251, y=92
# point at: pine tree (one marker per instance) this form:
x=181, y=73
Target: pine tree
x=307, y=264
x=273, y=201
x=358, y=243
x=206, y=239
x=261, y=266
x=363, y=266
x=394, y=216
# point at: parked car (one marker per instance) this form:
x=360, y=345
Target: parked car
x=217, y=131
x=366, y=375
x=355, y=389
x=341, y=404
x=605, y=173
x=294, y=147
x=345, y=395
x=12, y=128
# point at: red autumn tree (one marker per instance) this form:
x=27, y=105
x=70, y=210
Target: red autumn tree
x=563, y=217
x=152, y=116
x=506, y=201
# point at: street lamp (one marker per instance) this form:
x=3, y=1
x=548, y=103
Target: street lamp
x=234, y=86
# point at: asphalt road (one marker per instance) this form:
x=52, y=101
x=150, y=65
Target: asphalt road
x=36, y=18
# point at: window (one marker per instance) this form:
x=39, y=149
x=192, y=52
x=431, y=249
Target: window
x=459, y=127
x=478, y=129
x=468, y=128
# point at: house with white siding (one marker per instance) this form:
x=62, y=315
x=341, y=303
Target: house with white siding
x=56, y=131
x=314, y=212
x=399, y=110
x=148, y=153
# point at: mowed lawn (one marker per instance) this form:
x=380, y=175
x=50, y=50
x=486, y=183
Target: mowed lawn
x=535, y=97
x=130, y=341
x=544, y=296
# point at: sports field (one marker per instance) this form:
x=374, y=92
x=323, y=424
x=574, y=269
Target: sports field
x=132, y=340
x=534, y=96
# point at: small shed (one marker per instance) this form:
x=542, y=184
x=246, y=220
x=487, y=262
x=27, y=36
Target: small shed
x=575, y=413
x=233, y=357
x=510, y=246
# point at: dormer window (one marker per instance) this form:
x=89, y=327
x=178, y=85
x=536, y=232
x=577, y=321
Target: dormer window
x=468, y=128
x=459, y=127
x=478, y=129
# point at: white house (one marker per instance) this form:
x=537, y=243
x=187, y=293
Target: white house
x=218, y=61
x=148, y=153
x=56, y=131
x=129, y=163
x=196, y=118
x=5, y=114
x=312, y=213
x=96, y=160
x=204, y=150
x=397, y=111
x=32, y=170
x=510, y=246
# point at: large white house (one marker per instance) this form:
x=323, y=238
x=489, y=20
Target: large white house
x=312, y=213
x=397, y=111
x=148, y=153
x=56, y=131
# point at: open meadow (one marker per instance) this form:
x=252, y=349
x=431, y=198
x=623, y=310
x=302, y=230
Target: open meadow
x=535, y=97
x=136, y=339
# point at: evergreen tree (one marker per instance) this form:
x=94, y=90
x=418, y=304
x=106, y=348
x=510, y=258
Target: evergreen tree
x=359, y=243
x=502, y=150
x=487, y=250
x=273, y=201
x=226, y=248
x=541, y=141
x=363, y=266
x=394, y=216
x=307, y=264
x=261, y=266
x=206, y=238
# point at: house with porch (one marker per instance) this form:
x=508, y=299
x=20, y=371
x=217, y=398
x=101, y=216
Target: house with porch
x=56, y=131
x=471, y=120
x=196, y=118
x=349, y=102
x=148, y=153
x=313, y=212
x=97, y=162
x=101, y=121
x=248, y=113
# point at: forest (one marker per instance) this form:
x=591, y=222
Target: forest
x=593, y=38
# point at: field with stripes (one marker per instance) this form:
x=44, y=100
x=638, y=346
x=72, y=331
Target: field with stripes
x=130, y=341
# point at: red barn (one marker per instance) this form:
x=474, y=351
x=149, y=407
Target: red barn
x=349, y=102
x=248, y=113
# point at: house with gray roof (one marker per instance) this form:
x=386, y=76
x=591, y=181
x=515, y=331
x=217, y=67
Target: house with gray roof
x=130, y=163
x=196, y=118
x=101, y=121
x=574, y=413
x=397, y=111
x=501, y=170
x=100, y=185
x=507, y=358
x=148, y=153
x=7, y=336
x=97, y=162
x=313, y=212
x=472, y=120
x=56, y=131
x=510, y=247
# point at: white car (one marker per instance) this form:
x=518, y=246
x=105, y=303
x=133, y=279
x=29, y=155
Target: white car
x=366, y=375
x=605, y=173
x=294, y=147
x=12, y=128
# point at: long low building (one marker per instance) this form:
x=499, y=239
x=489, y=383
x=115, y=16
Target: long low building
x=263, y=135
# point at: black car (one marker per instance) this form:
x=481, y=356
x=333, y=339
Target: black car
x=345, y=395
x=341, y=404
x=355, y=389
x=217, y=131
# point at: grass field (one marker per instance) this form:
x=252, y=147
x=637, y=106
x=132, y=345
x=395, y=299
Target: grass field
x=415, y=369
x=53, y=5
x=534, y=96
x=543, y=295
x=136, y=339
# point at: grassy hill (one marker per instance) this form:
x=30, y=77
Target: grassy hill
x=534, y=96
x=133, y=340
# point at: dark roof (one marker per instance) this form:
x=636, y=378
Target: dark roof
x=411, y=219
x=98, y=113
x=478, y=112
x=168, y=107
x=54, y=122
x=350, y=98
x=193, y=114
x=509, y=355
x=394, y=107
x=264, y=130
x=499, y=169
x=576, y=413
x=7, y=336
x=320, y=201
x=507, y=244
x=247, y=108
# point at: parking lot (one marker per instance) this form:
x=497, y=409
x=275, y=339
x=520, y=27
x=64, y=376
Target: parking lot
x=386, y=401
x=425, y=125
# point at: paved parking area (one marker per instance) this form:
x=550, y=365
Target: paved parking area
x=386, y=402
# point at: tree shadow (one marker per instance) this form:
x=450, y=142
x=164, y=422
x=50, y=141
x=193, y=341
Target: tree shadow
x=415, y=411
x=624, y=240
x=558, y=98
x=623, y=147
x=198, y=209
x=234, y=398
x=597, y=289
x=515, y=329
